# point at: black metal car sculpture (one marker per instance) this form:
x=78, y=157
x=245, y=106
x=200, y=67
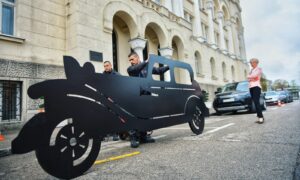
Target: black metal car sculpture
x=86, y=106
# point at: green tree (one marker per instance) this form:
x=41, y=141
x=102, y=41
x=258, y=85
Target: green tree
x=264, y=82
x=280, y=84
x=293, y=84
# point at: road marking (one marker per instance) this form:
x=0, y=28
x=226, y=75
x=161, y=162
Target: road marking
x=110, y=146
x=114, y=158
x=158, y=137
x=207, y=134
x=232, y=140
x=216, y=120
x=219, y=128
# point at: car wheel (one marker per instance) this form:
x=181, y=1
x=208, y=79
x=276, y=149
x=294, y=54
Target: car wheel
x=197, y=122
x=69, y=152
x=264, y=105
x=218, y=113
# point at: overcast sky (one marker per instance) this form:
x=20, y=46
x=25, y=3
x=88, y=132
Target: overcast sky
x=272, y=34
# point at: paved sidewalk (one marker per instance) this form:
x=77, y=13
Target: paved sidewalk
x=6, y=144
x=9, y=136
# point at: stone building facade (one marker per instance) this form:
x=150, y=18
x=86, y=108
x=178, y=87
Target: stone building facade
x=35, y=34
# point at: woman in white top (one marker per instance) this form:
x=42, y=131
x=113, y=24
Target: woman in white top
x=255, y=87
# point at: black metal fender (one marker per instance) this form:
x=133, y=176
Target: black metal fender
x=33, y=135
x=195, y=101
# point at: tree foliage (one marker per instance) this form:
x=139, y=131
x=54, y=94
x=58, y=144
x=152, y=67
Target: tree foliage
x=293, y=84
x=280, y=84
x=264, y=82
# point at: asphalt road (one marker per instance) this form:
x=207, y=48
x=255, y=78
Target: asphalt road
x=232, y=146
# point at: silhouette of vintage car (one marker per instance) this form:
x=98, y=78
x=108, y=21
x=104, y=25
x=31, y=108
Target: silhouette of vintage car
x=86, y=106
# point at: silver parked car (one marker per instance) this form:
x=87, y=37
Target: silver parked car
x=274, y=97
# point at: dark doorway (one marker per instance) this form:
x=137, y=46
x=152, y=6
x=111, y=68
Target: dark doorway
x=115, y=51
x=145, y=51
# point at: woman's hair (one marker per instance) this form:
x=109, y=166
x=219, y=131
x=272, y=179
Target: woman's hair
x=254, y=60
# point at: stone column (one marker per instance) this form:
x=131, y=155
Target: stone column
x=178, y=7
x=242, y=41
x=197, y=29
x=211, y=34
x=230, y=38
x=138, y=44
x=235, y=38
x=166, y=52
x=220, y=16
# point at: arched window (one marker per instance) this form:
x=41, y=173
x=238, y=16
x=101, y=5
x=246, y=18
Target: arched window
x=233, y=73
x=224, y=71
x=216, y=7
x=213, y=69
x=198, y=63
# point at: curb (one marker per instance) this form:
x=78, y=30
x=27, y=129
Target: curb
x=5, y=152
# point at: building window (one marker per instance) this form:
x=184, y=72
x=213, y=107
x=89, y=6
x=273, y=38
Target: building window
x=10, y=101
x=201, y=5
x=233, y=73
x=157, y=1
x=205, y=30
x=7, y=17
x=213, y=69
x=224, y=72
x=198, y=63
x=187, y=16
x=227, y=44
x=217, y=38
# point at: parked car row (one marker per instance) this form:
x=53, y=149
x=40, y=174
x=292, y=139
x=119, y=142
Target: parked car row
x=234, y=97
x=276, y=97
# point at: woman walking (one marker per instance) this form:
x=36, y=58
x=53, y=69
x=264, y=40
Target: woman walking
x=255, y=88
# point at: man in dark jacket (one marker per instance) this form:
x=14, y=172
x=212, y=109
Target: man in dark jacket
x=139, y=69
x=109, y=70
